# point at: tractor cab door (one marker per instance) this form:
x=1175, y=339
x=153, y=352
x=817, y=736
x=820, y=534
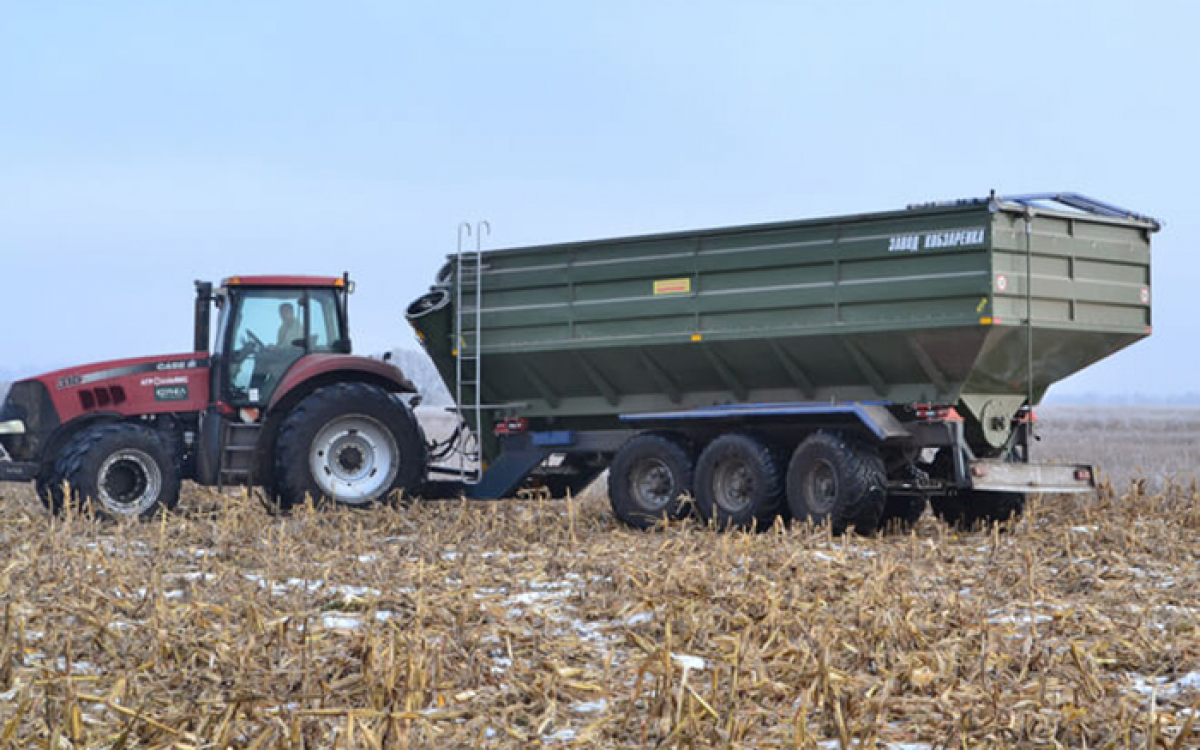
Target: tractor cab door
x=264, y=331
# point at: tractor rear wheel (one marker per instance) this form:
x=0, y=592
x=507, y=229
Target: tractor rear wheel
x=351, y=443
x=649, y=479
x=739, y=484
x=839, y=481
x=117, y=470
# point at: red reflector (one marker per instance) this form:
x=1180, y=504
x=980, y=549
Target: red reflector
x=511, y=427
x=1083, y=475
x=932, y=413
x=979, y=471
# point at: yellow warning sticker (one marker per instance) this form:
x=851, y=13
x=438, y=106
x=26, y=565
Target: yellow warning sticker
x=672, y=286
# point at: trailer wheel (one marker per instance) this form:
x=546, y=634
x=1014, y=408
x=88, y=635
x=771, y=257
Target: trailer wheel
x=967, y=509
x=649, y=480
x=352, y=443
x=738, y=483
x=118, y=470
x=902, y=510
x=831, y=479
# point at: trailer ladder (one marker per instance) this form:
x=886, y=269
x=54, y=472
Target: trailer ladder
x=468, y=325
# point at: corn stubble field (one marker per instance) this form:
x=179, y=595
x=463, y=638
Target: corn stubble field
x=544, y=623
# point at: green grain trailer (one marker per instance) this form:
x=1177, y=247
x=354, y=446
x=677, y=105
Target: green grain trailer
x=842, y=369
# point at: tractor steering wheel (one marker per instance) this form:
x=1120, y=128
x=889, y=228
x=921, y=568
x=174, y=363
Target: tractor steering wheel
x=253, y=343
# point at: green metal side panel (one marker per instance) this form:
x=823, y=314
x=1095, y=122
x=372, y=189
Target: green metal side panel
x=925, y=305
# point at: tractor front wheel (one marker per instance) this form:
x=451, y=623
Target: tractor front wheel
x=117, y=470
x=351, y=443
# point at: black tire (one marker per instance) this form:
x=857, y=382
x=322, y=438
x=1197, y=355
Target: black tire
x=116, y=470
x=837, y=481
x=49, y=484
x=650, y=479
x=739, y=484
x=363, y=443
x=902, y=510
x=968, y=509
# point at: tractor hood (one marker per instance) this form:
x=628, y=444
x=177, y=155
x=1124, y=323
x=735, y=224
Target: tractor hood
x=142, y=385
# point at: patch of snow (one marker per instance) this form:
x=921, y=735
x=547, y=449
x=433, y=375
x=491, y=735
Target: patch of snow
x=349, y=591
x=594, y=632
x=196, y=575
x=1019, y=619
x=836, y=745
x=340, y=622
x=351, y=620
x=500, y=664
x=554, y=585
x=531, y=597
x=590, y=707
x=690, y=662
x=312, y=586
x=639, y=618
x=1166, y=687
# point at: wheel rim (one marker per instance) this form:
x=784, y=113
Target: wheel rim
x=129, y=482
x=354, y=459
x=733, y=485
x=652, y=483
x=821, y=487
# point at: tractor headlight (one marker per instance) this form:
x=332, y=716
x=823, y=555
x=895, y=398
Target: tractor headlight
x=12, y=427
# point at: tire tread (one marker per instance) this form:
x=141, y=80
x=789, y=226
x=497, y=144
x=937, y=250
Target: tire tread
x=292, y=482
x=669, y=446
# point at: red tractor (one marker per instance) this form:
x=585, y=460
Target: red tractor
x=279, y=402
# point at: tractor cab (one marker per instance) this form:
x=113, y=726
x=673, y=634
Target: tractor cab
x=266, y=324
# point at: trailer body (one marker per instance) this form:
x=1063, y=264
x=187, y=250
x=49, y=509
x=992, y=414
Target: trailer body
x=863, y=322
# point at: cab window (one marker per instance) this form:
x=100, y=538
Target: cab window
x=269, y=330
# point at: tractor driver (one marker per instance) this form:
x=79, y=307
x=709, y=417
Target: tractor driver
x=290, y=328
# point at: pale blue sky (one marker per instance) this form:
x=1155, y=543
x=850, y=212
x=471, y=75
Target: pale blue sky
x=146, y=144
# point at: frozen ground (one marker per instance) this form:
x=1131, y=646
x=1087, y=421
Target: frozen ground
x=545, y=623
